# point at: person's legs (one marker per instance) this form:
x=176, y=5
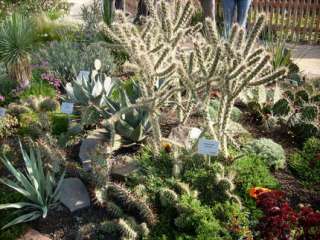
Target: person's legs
x=242, y=11
x=228, y=13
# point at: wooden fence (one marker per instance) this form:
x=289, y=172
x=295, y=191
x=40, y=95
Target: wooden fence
x=293, y=20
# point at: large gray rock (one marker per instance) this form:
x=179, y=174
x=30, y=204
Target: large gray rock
x=124, y=168
x=89, y=146
x=74, y=194
x=184, y=136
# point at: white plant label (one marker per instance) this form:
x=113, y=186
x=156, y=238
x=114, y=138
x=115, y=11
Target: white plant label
x=67, y=108
x=194, y=133
x=2, y=112
x=208, y=147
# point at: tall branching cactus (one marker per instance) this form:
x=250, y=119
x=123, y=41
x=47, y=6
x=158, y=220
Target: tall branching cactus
x=152, y=52
x=228, y=66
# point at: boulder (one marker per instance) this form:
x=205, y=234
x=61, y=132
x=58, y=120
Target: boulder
x=74, y=194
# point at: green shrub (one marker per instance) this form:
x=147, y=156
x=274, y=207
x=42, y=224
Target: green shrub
x=37, y=88
x=272, y=153
x=306, y=163
x=252, y=171
x=69, y=58
x=59, y=123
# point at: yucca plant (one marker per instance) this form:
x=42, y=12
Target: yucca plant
x=39, y=188
x=17, y=37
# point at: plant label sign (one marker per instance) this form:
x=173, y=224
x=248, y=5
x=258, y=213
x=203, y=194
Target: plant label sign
x=2, y=112
x=208, y=147
x=194, y=133
x=67, y=108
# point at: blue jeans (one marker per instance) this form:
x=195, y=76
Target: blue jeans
x=229, y=7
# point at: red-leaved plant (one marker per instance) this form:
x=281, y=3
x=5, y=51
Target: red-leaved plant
x=282, y=222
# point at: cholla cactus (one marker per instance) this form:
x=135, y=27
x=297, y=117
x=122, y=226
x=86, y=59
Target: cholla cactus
x=212, y=63
x=153, y=55
x=229, y=66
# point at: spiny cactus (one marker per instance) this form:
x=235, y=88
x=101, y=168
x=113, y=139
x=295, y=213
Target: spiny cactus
x=117, y=200
x=212, y=63
x=225, y=187
x=127, y=199
x=152, y=50
x=48, y=105
x=114, y=210
x=300, y=111
x=230, y=66
x=132, y=125
x=168, y=197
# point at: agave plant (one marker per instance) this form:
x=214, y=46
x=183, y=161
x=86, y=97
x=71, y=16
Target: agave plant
x=90, y=88
x=90, y=91
x=39, y=188
x=17, y=37
x=133, y=125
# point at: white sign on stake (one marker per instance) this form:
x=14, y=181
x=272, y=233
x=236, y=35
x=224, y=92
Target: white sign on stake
x=67, y=108
x=208, y=147
x=194, y=133
x=2, y=112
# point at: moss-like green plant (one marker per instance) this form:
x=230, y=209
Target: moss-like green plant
x=252, y=171
x=272, y=153
x=306, y=163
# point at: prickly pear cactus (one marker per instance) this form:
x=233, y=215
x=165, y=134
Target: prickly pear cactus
x=299, y=109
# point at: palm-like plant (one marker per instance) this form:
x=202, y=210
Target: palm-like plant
x=39, y=188
x=17, y=37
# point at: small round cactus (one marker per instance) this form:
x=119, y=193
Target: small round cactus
x=49, y=105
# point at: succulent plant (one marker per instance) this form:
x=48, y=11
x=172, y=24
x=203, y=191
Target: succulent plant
x=49, y=105
x=90, y=87
x=299, y=110
x=118, y=200
x=133, y=125
x=8, y=126
x=271, y=152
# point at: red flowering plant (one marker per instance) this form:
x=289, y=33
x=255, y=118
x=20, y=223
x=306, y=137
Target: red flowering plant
x=281, y=222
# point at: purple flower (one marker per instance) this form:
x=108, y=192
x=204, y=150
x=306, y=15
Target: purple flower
x=52, y=80
x=2, y=98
